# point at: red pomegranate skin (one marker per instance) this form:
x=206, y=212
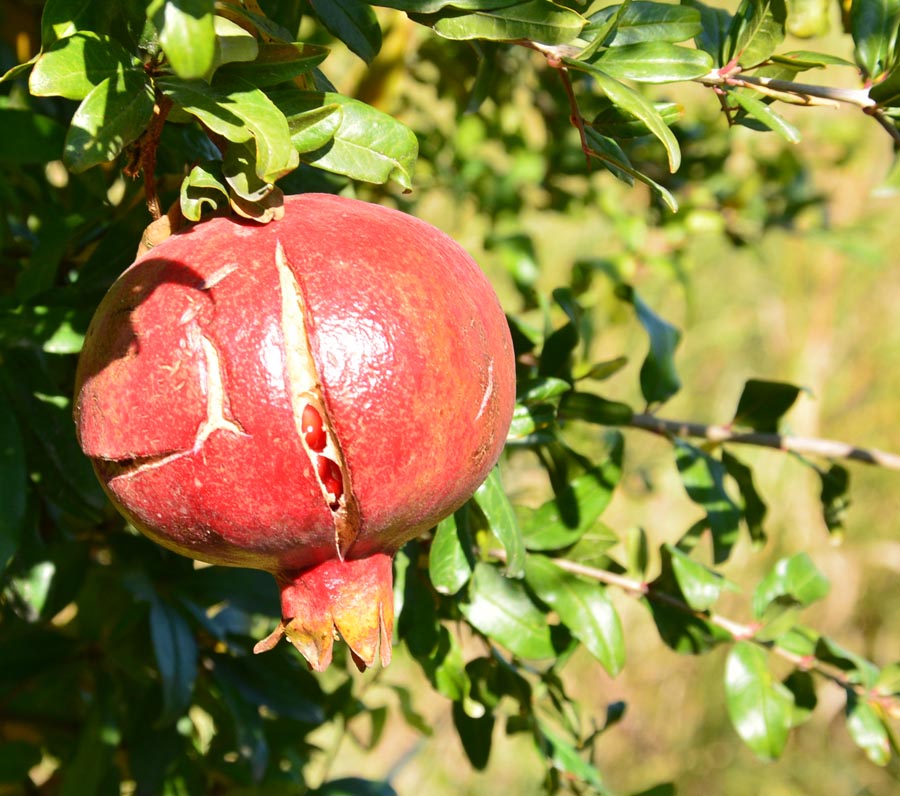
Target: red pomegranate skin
x=198, y=372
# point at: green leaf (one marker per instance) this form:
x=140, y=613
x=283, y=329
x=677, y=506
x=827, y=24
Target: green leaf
x=353, y=786
x=594, y=409
x=858, y=669
x=756, y=29
x=753, y=507
x=713, y=36
x=237, y=110
x=803, y=690
x=538, y=20
x=450, y=559
x=368, y=145
x=760, y=708
x=565, y=758
x=76, y=65
x=203, y=187
x=62, y=18
x=868, y=730
x=500, y=608
x=703, y=478
x=763, y=403
x=640, y=21
x=761, y=112
x=874, y=28
x=187, y=34
x=109, y=118
x=683, y=631
x=33, y=586
x=275, y=63
x=541, y=389
x=13, y=483
x=232, y=44
x=585, y=608
x=16, y=759
x=659, y=379
x=531, y=420
x=835, y=497
x=176, y=658
x=610, y=121
x=699, y=585
x=313, y=129
x=575, y=509
x=608, y=151
x=433, y=6
x=795, y=577
x=654, y=62
x=475, y=734
x=353, y=22
x=100, y=738
x=492, y=500
x=630, y=101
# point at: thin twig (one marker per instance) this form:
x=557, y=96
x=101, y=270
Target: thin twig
x=826, y=448
x=737, y=630
x=149, y=145
x=808, y=93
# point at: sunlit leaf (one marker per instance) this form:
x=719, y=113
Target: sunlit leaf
x=654, y=62
x=700, y=585
x=187, y=34
x=450, y=559
x=867, y=729
x=756, y=29
x=501, y=609
x=763, y=113
x=493, y=501
x=759, y=706
x=583, y=607
x=795, y=576
x=874, y=27
x=276, y=63
x=538, y=20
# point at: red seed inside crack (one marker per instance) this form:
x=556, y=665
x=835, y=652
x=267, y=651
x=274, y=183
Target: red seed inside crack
x=331, y=478
x=313, y=429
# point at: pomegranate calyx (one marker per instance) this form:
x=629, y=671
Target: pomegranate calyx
x=350, y=598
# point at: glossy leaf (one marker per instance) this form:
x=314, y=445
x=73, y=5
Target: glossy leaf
x=353, y=22
x=176, y=657
x=450, y=558
x=432, y=6
x=759, y=706
x=239, y=112
x=232, y=44
x=795, y=577
x=763, y=113
x=699, y=585
x=594, y=409
x=313, y=129
x=500, y=608
x=654, y=62
x=187, y=34
x=641, y=21
x=61, y=18
x=368, y=145
x=530, y=421
x=868, y=730
x=76, y=65
x=541, y=389
x=583, y=607
x=275, y=63
x=610, y=121
x=203, y=188
x=874, y=28
x=630, y=101
x=109, y=118
x=683, y=631
x=659, y=379
x=703, y=478
x=858, y=669
x=492, y=500
x=565, y=758
x=538, y=20
x=13, y=482
x=756, y=29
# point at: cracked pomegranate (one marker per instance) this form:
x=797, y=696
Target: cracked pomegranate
x=301, y=397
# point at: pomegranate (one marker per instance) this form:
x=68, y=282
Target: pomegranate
x=301, y=397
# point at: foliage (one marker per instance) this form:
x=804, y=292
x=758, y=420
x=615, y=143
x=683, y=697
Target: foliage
x=128, y=669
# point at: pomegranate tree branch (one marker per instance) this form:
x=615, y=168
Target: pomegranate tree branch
x=736, y=630
x=826, y=448
x=149, y=145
